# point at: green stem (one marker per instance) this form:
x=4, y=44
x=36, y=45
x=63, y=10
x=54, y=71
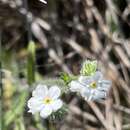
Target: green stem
x=1, y=86
x=19, y=124
x=51, y=126
x=38, y=122
x=31, y=63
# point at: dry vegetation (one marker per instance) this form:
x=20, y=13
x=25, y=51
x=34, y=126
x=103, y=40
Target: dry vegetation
x=66, y=32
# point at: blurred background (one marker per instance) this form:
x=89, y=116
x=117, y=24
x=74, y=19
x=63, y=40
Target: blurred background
x=39, y=41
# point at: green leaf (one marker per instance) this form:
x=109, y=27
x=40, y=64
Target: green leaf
x=59, y=115
x=16, y=110
x=88, y=68
x=67, y=78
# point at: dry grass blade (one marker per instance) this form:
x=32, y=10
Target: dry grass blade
x=86, y=115
x=99, y=114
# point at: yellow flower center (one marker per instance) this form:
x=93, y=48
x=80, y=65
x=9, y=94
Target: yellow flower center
x=47, y=100
x=93, y=85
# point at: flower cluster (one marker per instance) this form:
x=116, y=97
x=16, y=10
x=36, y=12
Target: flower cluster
x=90, y=84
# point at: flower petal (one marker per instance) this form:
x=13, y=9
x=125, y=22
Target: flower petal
x=104, y=85
x=40, y=91
x=57, y=104
x=86, y=93
x=99, y=95
x=46, y=111
x=54, y=92
x=75, y=86
x=97, y=76
x=85, y=80
x=35, y=104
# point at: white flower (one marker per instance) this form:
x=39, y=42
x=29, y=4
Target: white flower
x=45, y=100
x=91, y=87
x=43, y=1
